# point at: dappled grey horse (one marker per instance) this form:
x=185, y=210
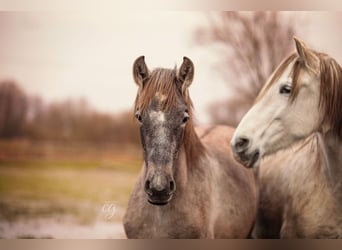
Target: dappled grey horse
x=189, y=186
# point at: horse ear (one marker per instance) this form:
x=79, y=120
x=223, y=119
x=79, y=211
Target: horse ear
x=140, y=71
x=185, y=73
x=301, y=49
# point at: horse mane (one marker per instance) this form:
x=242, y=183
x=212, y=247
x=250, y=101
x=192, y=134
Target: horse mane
x=330, y=72
x=164, y=83
x=331, y=92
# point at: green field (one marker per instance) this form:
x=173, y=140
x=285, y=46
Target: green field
x=54, y=181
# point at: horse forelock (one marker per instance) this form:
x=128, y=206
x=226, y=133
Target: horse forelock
x=276, y=75
x=160, y=85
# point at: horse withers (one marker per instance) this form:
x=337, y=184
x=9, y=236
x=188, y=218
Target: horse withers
x=189, y=186
x=297, y=122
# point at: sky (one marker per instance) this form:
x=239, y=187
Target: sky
x=66, y=54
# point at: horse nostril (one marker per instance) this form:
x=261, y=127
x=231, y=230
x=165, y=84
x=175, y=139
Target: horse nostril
x=148, y=187
x=241, y=143
x=172, y=186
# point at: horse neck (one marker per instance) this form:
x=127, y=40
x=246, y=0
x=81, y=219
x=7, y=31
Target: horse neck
x=331, y=148
x=193, y=148
x=181, y=170
x=190, y=156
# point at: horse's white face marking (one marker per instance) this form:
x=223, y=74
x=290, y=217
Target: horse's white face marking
x=158, y=120
x=157, y=116
x=158, y=180
x=274, y=123
x=161, y=97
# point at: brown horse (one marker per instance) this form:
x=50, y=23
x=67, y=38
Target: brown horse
x=298, y=115
x=190, y=186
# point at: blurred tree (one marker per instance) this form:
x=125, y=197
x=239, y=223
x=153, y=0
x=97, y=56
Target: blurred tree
x=34, y=118
x=250, y=45
x=13, y=108
x=69, y=120
x=75, y=120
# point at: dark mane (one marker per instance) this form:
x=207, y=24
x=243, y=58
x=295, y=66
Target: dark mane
x=330, y=73
x=164, y=82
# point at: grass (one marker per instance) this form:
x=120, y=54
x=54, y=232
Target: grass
x=35, y=186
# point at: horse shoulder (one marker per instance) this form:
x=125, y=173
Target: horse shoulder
x=235, y=184
x=271, y=198
x=279, y=197
x=292, y=192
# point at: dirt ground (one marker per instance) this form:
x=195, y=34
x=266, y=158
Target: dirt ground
x=49, y=191
x=47, y=228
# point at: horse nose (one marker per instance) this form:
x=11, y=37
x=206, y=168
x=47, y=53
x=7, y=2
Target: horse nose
x=241, y=144
x=172, y=187
x=147, y=187
x=160, y=186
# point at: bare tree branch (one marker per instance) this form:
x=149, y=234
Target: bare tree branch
x=251, y=45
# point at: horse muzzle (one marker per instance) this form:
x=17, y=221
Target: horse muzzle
x=243, y=153
x=159, y=200
x=159, y=190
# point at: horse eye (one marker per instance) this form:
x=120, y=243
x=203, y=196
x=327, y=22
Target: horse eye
x=138, y=117
x=186, y=118
x=285, y=89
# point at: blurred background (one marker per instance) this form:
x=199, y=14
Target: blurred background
x=69, y=146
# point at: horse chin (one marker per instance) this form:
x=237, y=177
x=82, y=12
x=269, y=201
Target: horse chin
x=255, y=162
x=249, y=161
x=159, y=202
